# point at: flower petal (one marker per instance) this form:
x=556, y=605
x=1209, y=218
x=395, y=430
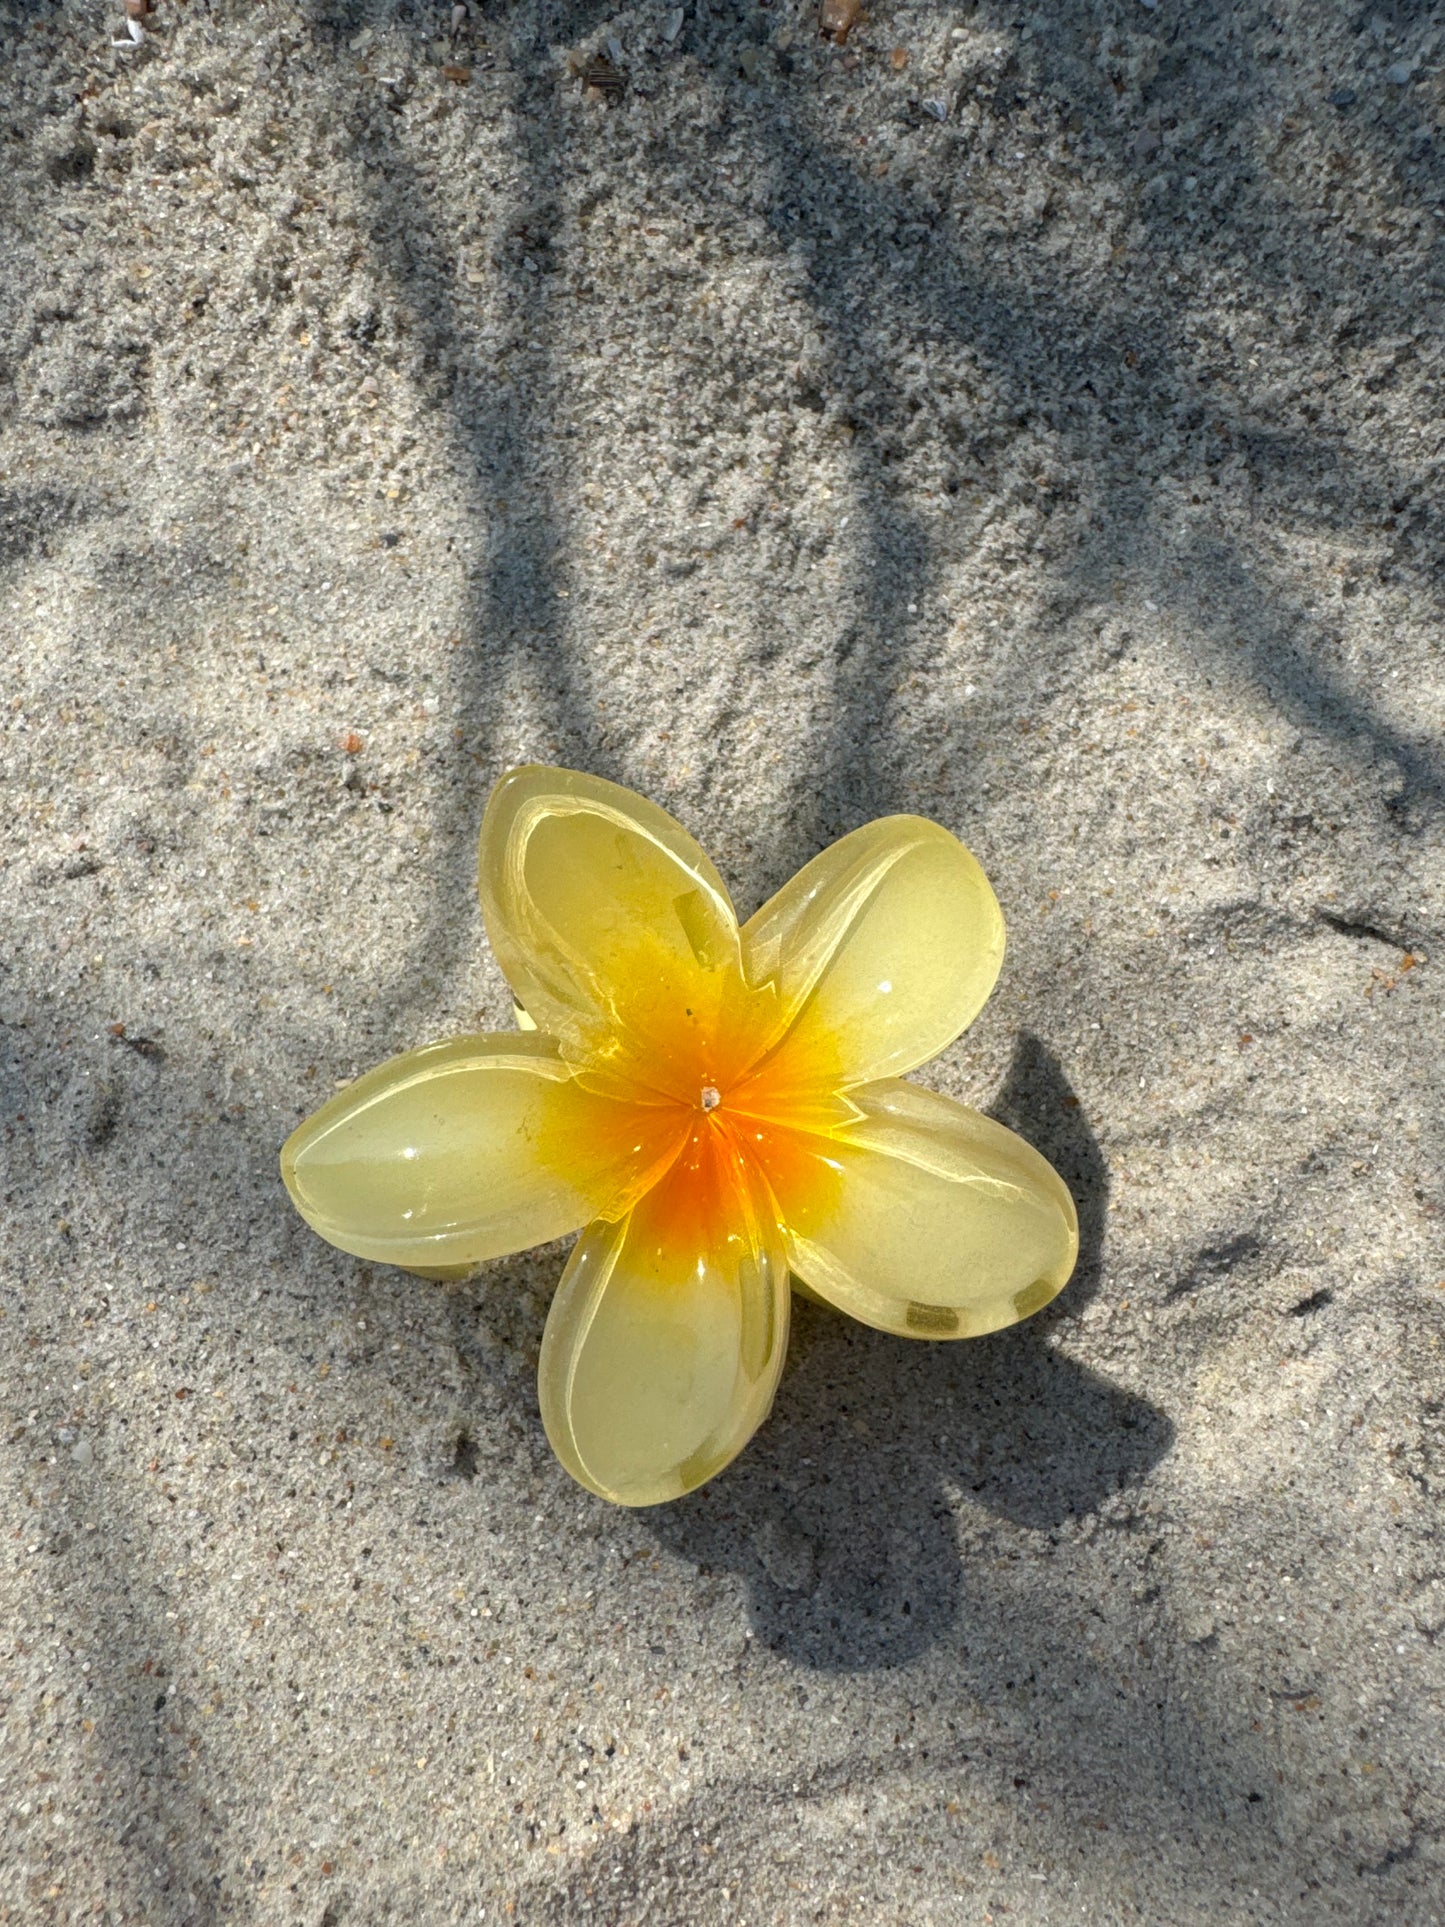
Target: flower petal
x=463, y=1151
x=666, y=1338
x=614, y=930
x=885, y=946
x=923, y=1218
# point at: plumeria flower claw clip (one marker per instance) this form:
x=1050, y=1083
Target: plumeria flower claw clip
x=714, y=1107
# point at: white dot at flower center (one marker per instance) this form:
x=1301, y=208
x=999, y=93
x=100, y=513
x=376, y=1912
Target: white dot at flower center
x=711, y=1097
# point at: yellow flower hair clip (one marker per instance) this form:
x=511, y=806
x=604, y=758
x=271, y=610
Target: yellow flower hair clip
x=717, y=1106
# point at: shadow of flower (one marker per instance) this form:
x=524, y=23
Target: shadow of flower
x=843, y=1514
x=1038, y=1101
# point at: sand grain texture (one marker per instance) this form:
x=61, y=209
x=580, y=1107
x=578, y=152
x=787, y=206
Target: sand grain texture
x=1043, y=433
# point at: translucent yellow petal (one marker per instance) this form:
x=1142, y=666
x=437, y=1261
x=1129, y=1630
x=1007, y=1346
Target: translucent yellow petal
x=614, y=930
x=444, y=1157
x=667, y=1335
x=882, y=950
x=923, y=1218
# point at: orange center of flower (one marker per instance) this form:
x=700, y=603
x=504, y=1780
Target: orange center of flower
x=732, y=1115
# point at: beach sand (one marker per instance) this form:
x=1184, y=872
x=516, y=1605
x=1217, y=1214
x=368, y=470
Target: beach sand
x=1027, y=419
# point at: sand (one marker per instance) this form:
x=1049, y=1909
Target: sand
x=1037, y=427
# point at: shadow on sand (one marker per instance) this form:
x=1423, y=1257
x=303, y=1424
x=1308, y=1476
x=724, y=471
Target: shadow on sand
x=841, y=1513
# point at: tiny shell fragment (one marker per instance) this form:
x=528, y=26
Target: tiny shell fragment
x=838, y=18
x=602, y=79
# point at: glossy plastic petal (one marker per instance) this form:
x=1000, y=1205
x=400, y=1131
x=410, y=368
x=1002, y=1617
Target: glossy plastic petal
x=614, y=930
x=667, y=1335
x=924, y=1218
x=463, y=1151
x=882, y=950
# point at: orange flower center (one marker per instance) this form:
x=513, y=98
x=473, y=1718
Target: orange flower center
x=735, y=1114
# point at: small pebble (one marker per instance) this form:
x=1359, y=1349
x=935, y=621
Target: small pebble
x=837, y=19
x=1401, y=74
x=672, y=26
x=787, y=1554
x=1343, y=97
